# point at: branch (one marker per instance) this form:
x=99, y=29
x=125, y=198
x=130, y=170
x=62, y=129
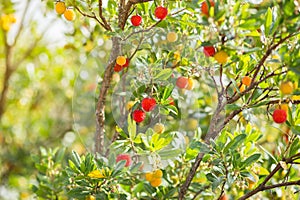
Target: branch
x=263, y=186
x=105, y=24
x=143, y=30
x=90, y=16
x=259, y=65
x=100, y=109
x=125, y=10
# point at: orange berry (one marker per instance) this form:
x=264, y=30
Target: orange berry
x=121, y=60
x=149, y=176
x=60, y=7
x=242, y=88
x=157, y=173
x=246, y=80
x=155, y=182
x=69, y=14
x=283, y=107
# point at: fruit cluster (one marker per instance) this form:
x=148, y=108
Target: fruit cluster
x=160, y=13
x=6, y=21
x=155, y=177
x=60, y=8
x=121, y=63
x=185, y=83
x=148, y=104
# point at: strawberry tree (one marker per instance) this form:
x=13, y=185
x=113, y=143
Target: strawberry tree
x=203, y=82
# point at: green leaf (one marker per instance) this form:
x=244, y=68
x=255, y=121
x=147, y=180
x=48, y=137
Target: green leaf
x=76, y=159
x=169, y=153
x=251, y=159
x=59, y=155
x=294, y=147
x=136, y=167
x=118, y=168
x=167, y=91
x=268, y=21
x=131, y=128
x=163, y=74
x=233, y=144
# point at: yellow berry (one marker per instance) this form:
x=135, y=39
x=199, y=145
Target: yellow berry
x=287, y=87
x=60, y=7
x=190, y=84
x=172, y=37
x=221, y=57
x=121, y=60
x=159, y=128
x=90, y=197
x=69, y=14
x=157, y=173
x=155, y=182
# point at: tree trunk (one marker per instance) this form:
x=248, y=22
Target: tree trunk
x=100, y=109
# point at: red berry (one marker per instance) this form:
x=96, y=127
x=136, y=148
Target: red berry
x=148, y=104
x=117, y=68
x=205, y=8
x=279, y=116
x=127, y=63
x=171, y=101
x=161, y=12
x=136, y=20
x=124, y=157
x=182, y=82
x=138, y=115
x=209, y=51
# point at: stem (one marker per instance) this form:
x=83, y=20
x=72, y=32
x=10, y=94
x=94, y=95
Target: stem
x=100, y=110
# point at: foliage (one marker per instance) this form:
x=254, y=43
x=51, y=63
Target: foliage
x=218, y=138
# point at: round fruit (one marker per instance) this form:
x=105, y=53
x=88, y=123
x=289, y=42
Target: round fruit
x=125, y=157
x=182, y=82
x=172, y=37
x=157, y=173
x=136, y=20
x=224, y=197
x=283, y=107
x=118, y=68
x=121, y=60
x=279, y=116
x=69, y=14
x=90, y=197
x=221, y=57
x=127, y=63
x=287, y=87
x=161, y=12
x=190, y=84
x=149, y=176
x=60, y=7
x=192, y=124
x=209, y=51
x=205, y=8
x=246, y=80
x=138, y=116
x=242, y=88
x=148, y=104
x=155, y=182
x=159, y=128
